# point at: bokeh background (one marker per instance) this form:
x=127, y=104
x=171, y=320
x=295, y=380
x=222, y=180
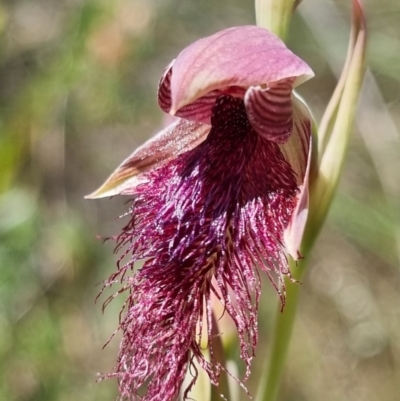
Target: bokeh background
x=78, y=81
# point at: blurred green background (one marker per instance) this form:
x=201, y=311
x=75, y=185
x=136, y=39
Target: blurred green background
x=78, y=81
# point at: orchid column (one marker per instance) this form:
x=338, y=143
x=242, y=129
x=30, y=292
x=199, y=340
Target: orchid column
x=329, y=151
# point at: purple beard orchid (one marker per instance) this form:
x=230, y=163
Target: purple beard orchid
x=219, y=195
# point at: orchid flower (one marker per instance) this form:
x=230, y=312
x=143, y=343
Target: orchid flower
x=219, y=196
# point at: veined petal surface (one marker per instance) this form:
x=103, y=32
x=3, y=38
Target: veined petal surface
x=177, y=138
x=242, y=56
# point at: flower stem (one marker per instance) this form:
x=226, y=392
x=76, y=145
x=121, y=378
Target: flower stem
x=269, y=386
x=275, y=15
x=217, y=393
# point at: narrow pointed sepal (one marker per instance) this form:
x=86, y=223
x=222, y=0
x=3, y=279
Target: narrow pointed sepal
x=179, y=137
x=298, y=152
x=337, y=123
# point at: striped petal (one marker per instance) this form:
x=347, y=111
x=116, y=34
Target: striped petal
x=178, y=138
x=270, y=110
x=164, y=88
x=200, y=110
x=298, y=151
x=238, y=57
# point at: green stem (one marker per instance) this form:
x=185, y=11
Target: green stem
x=269, y=386
x=339, y=120
x=219, y=355
x=275, y=15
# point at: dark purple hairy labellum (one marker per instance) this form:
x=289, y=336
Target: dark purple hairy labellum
x=204, y=223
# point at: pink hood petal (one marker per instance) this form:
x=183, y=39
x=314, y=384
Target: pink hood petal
x=243, y=56
x=297, y=151
x=177, y=138
x=200, y=110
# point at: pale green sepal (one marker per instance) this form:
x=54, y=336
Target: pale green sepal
x=338, y=124
x=275, y=15
x=328, y=119
x=298, y=152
